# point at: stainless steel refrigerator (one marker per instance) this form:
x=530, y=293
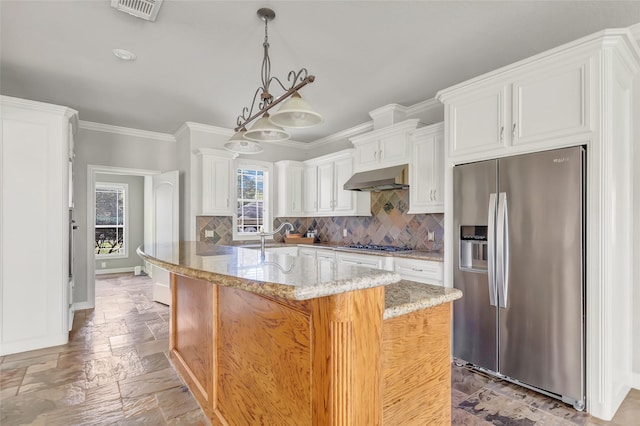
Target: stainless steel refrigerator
x=519, y=233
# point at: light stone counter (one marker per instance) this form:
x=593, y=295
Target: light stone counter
x=405, y=297
x=289, y=277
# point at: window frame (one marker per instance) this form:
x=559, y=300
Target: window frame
x=125, y=226
x=267, y=169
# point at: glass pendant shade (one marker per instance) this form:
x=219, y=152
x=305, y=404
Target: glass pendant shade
x=264, y=131
x=295, y=112
x=239, y=144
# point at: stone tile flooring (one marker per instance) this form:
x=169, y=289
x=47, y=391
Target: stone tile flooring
x=478, y=399
x=115, y=371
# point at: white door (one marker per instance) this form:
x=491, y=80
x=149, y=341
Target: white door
x=165, y=229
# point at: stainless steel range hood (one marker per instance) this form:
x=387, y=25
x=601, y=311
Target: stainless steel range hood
x=379, y=180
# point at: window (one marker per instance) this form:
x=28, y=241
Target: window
x=111, y=236
x=253, y=205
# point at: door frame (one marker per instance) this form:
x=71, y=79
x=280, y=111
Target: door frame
x=92, y=170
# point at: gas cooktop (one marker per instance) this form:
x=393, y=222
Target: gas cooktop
x=375, y=247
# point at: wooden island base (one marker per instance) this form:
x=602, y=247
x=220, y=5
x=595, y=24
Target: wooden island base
x=253, y=359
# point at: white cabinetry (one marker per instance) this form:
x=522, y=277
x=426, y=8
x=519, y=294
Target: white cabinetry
x=333, y=171
x=365, y=260
x=580, y=93
x=34, y=224
x=385, y=147
x=290, y=251
x=550, y=103
x=426, y=170
x=310, y=190
x=320, y=254
x=422, y=271
x=290, y=183
x=216, y=167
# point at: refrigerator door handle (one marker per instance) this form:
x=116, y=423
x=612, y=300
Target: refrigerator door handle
x=503, y=250
x=491, y=255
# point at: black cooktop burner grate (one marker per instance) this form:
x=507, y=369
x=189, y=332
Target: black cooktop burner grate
x=375, y=247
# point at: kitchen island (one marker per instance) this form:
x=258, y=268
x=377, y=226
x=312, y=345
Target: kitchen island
x=288, y=340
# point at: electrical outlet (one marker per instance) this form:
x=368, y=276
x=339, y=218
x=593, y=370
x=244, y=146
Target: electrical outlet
x=431, y=236
x=104, y=264
x=208, y=233
x=345, y=232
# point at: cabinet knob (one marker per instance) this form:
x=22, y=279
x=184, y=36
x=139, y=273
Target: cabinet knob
x=380, y=154
x=375, y=155
x=502, y=133
x=513, y=131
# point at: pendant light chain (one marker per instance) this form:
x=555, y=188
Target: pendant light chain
x=266, y=69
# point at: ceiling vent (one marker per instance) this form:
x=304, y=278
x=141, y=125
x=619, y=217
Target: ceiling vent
x=145, y=9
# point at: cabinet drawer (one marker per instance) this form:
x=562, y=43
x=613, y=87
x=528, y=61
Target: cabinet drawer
x=423, y=271
x=367, y=261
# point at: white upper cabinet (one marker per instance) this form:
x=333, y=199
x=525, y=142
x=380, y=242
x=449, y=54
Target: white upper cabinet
x=217, y=179
x=310, y=190
x=525, y=107
x=333, y=171
x=550, y=104
x=290, y=188
x=385, y=147
x=426, y=170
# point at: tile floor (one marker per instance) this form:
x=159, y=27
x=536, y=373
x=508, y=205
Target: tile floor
x=115, y=371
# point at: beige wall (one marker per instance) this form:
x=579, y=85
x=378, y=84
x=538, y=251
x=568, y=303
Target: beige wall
x=113, y=150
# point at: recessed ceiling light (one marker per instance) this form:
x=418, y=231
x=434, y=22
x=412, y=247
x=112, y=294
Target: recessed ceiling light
x=125, y=55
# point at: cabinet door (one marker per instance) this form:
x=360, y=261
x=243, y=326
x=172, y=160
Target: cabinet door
x=326, y=255
x=551, y=105
x=310, y=192
x=367, y=155
x=216, y=188
x=477, y=123
x=294, y=193
x=393, y=150
x=343, y=170
x=325, y=188
x=427, y=174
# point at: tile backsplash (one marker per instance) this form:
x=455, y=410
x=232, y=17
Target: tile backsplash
x=389, y=224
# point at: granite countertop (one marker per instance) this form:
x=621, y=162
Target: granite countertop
x=297, y=278
x=405, y=297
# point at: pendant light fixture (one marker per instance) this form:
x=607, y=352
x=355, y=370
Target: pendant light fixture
x=239, y=144
x=294, y=113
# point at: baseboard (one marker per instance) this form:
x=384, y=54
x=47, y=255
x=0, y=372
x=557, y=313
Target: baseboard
x=9, y=348
x=81, y=306
x=635, y=381
x=114, y=270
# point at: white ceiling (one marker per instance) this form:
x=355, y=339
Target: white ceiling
x=200, y=61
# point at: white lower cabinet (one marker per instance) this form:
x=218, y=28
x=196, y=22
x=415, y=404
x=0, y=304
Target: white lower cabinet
x=422, y=271
x=291, y=251
x=365, y=260
x=317, y=253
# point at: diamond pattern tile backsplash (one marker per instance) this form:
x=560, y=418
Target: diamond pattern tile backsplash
x=389, y=224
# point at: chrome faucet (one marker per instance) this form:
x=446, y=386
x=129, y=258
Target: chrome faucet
x=263, y=234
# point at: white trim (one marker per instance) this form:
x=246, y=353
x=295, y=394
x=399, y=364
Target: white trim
x=124, y=187
x=108, y=128
x=37, y=106
x=635, y=31
x=423, y=107
x=92, y=170
x=205, y=128
x=340, y=136
x=267, y=168
x=635, y=381
x=81, y=306
x=114, y=270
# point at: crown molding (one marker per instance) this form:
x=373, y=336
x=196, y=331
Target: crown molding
x=635, y=31
x=205, y=128
x=423, y=107
x=340, y=136
x=38, y=106
x=108, y=128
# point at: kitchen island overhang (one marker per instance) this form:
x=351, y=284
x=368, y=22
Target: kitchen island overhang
x=291, y=340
